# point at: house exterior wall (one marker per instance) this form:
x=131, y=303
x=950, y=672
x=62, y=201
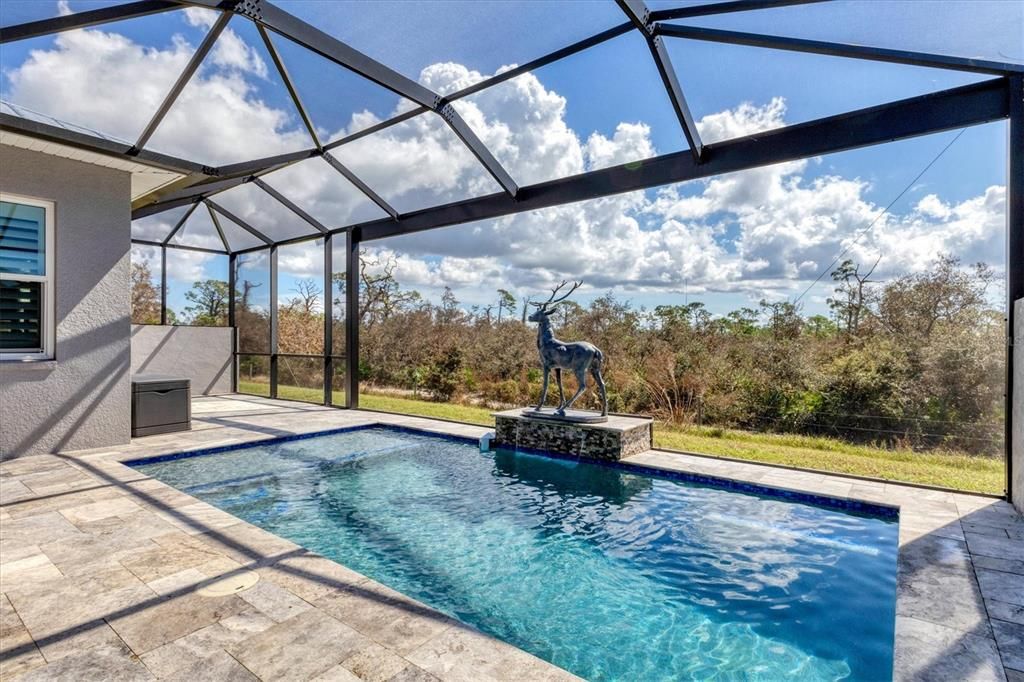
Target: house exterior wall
x=202, y=354
x=1017, y=415
x=81, y=399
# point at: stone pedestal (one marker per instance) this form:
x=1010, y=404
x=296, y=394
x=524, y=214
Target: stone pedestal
x=615, y=439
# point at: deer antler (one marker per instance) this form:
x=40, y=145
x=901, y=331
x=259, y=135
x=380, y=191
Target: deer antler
x=554, y=292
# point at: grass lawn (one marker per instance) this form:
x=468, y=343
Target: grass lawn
x=947, y=469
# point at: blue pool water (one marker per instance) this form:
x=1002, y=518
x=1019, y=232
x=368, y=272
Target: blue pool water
x=608, y=573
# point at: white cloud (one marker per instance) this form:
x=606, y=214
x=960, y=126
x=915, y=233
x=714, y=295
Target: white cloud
x=762, y=231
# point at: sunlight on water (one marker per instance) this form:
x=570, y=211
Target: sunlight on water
x=611, y=575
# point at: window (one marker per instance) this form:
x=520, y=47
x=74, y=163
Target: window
x=26, y=278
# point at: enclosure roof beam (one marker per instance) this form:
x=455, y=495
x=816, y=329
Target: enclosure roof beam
x=291, y=206
x=177, y=226
x=878, y=54
x=200, y=249
x=497, y=79
x=187, y=195
x=382, y=125
x=283, y=71
x=224, y=179
x=305, y=34
x=640, y=16
x=93, y=17
x=183, y=79
x=238, y=221
x=220, y=231
x=478, y=148
x=99, y=145
x=725, y=8
x=360, y=185
x=923, y=115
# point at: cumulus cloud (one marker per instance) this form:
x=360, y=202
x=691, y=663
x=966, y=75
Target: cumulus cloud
x=762, y=231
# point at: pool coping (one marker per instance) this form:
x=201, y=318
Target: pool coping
x=952, y=570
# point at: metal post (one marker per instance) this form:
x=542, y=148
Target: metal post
x=163, y=285
x=328, y=322
x=1014, y=251
x=352, y=318
x=232, y=285
x=273, y=321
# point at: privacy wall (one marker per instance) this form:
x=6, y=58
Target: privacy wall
x=202, y=354
x=81, y=399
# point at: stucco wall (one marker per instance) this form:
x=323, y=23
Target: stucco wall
x=82, y=399
x=1017, y=484
x=203, y=354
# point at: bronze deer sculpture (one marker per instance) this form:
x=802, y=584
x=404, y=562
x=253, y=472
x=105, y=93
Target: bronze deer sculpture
x=577, y=356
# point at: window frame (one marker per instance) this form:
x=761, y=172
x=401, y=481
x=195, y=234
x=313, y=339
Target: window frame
x=47, y=280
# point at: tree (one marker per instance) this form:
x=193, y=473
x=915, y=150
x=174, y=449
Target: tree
x=307, y=297
x=145, y=295
x=380, y=295
x=913, y=304
x=443, y=378
x=209, y=303
x=850, y=302
x=506, y=301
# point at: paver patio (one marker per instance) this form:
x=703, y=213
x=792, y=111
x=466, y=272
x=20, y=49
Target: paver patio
x=108, y=574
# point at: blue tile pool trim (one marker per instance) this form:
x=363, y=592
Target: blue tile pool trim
x=881, y=511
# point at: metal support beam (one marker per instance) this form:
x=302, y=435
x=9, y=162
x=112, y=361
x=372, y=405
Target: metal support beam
x=238, y=221
x=352, y=239
x=95, y=17
x=266, y=165
x=312, y=38
x=360, y=185
x=290, y=205
x=273, y=321
x=232, y=291
x=99, y=145
x=478, y=149
x=180, y=247
x=276, y=19
x=216, y=225
x=878, y=54
x=640, y=15
x=163, y=284
x=1014, y=259
x=183, y=79
x=725, y=8
x=328, y=321
x=177, y=226
x=187, y=195
x=497, y=79
x=549, y=58
x=286, y=79
x=932, y=113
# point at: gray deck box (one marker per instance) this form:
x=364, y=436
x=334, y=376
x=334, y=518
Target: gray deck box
x=160, y=404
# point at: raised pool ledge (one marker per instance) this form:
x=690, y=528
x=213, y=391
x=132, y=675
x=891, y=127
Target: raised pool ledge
x=610, y=441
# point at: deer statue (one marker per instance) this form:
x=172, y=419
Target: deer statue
x=578, y=356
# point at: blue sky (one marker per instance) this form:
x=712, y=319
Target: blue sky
x=601, y=90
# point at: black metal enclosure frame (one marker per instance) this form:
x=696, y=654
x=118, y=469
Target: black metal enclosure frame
x=1001, y=97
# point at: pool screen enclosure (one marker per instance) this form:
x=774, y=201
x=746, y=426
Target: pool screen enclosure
x=998, y=98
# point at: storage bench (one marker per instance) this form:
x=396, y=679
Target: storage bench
x=160, y=404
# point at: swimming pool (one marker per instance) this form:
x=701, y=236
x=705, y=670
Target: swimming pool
x=609, y=572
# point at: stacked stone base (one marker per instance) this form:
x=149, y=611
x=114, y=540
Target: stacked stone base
x=616, y=439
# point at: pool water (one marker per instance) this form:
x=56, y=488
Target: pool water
x=608, y=573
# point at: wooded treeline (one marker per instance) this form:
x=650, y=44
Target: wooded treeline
x=914, y=361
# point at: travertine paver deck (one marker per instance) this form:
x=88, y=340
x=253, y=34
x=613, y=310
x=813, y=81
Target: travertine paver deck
x=108, y=574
